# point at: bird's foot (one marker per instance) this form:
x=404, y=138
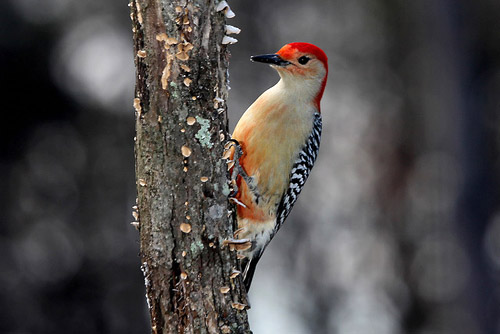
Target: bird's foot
x=237, y=202
x=232, y=153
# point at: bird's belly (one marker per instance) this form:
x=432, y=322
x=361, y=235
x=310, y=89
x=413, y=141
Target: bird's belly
x=259, y=232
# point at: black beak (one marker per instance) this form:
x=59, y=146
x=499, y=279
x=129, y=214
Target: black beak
x=272, y=59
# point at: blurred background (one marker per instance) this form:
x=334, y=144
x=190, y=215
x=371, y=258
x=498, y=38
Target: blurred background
x=396, y=231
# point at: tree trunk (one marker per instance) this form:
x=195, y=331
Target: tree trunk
x=182, y=184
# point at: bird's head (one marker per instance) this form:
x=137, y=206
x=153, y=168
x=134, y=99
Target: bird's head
x=300, y=65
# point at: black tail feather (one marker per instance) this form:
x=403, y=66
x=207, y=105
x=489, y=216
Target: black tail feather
x=250, y=271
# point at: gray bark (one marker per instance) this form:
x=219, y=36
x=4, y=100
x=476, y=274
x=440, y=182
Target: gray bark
x=182, y=183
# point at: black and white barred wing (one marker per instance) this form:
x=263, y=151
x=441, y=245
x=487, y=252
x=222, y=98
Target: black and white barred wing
x=300, y=171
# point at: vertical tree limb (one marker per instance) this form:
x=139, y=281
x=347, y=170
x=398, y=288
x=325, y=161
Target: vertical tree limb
x=181, y=126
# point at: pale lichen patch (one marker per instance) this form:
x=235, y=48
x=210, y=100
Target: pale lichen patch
x=225, y=189
x=196, y=247
x=203, y=135
x=147, y=282
x=216, y=211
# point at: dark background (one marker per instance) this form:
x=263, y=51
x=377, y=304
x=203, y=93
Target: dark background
x=396, y=231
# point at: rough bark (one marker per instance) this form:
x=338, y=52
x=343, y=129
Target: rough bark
x=181, y=126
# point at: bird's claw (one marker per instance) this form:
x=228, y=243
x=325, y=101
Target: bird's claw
x=237, y=202
x=233, y=164
x=236, y=154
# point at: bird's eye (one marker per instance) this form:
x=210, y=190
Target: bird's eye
x=303, y=60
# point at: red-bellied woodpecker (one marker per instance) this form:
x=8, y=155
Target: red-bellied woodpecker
x=277, y=142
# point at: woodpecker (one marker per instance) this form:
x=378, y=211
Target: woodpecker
x=277, y=142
